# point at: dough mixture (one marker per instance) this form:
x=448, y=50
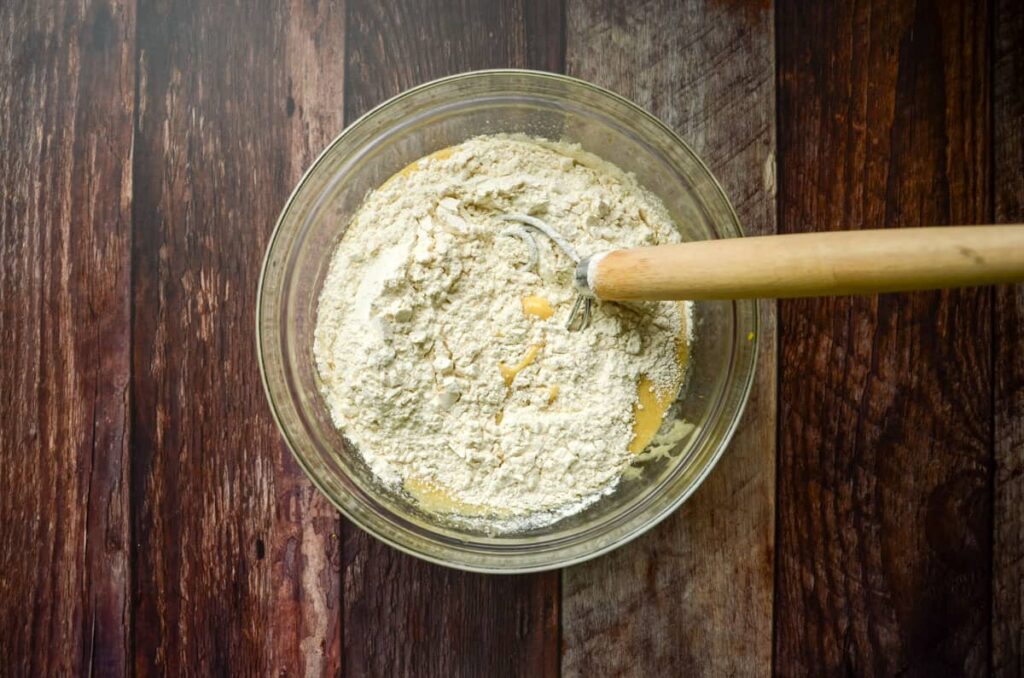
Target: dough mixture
x=441, y=341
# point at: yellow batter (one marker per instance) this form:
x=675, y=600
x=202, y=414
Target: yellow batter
x=652, y=404
x=436, y=500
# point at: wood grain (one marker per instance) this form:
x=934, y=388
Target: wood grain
x=236, y=568
x=305, y=549
x=1008, y=512
x=403, y=616
x=885, y=427
x=67, y=90
x=694, y=596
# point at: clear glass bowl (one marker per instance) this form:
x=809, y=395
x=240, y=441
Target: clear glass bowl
x=421, y=121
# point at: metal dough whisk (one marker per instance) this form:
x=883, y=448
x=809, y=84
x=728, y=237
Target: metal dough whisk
x=582, y=308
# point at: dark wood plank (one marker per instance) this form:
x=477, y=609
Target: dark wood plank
x=236, y=556
x=885, y=427
x=695, y=595
x=403, y=616
x=67, y=87
x=1008, y=516
x=305, y=549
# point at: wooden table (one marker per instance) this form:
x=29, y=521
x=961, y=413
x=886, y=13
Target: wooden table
x=867, y=519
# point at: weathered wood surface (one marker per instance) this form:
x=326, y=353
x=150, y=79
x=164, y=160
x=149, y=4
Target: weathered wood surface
x=1008, y=512
x=236, y=558
x=67, y=87
x=151, y=520
x=305, y=550
x=403, y=616
x=649, y=608
x=885, y=403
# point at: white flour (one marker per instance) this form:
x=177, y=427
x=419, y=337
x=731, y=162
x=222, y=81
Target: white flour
x=423, y=302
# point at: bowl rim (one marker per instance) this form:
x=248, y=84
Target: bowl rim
x=699, y=477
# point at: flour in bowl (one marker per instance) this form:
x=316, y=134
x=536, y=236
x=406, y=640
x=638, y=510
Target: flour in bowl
x=441, y=343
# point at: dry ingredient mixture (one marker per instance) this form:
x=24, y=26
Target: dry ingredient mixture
x=441, y=341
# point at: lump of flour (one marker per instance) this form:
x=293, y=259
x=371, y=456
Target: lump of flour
x=443, y=354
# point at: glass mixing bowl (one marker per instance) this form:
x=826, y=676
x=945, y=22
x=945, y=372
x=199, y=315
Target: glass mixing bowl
x=410, y=126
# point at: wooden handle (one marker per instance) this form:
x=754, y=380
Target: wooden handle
x=813, y=264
